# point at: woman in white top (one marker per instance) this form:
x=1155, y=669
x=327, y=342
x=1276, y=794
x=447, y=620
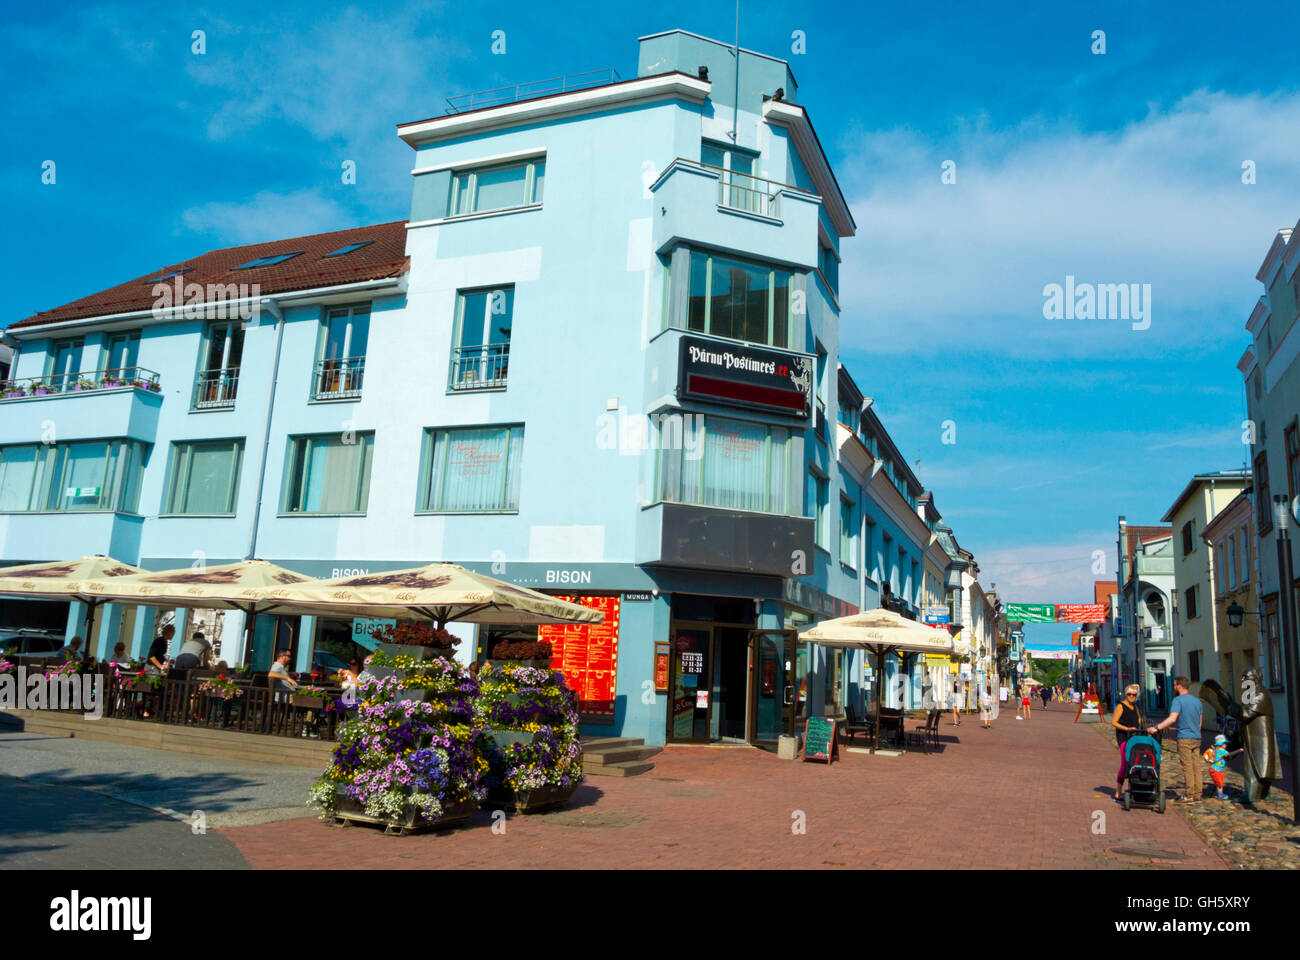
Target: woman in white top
x=986, y=706
x=348, y=677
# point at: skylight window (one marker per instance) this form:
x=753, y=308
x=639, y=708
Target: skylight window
x=169, y=274
x=349, y=248
x=268, y=261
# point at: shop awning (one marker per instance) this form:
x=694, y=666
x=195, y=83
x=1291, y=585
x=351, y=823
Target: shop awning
x=66, y=580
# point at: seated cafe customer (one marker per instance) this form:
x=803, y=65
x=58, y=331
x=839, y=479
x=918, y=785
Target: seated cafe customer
x=281, y=682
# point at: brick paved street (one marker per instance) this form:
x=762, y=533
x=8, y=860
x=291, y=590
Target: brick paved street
x=1021, y=795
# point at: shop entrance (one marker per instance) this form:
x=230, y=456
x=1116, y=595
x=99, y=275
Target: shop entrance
x=728, y=682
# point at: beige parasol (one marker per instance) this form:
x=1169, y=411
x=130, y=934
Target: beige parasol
x=247, y=586
x=878, y=632
x=441, y=592
x=65, y=580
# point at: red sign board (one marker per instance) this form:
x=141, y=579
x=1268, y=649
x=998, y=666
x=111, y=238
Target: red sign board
x=1081, y=612
x=587, y=655
x=661, y=666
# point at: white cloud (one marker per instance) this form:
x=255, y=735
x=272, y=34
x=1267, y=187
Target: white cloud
x=1159, y=201
x=268, y=216
x=1048, y=573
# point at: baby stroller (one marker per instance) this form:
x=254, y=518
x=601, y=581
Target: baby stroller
x=1142, y=754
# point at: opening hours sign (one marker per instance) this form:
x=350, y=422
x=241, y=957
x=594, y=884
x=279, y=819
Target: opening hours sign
x=587, y=655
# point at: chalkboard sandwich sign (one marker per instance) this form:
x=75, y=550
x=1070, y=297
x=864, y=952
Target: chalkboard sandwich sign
x=819, y=741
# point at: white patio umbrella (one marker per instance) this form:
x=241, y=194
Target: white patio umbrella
x=66, y=580
x=879, y=632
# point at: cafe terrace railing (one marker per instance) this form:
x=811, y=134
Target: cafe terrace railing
x=81, y=382
x=178, y=699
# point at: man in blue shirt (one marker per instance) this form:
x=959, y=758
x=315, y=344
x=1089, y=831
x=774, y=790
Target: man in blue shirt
x=1185, y=717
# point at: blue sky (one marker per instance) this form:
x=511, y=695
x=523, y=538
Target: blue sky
x=1122, y=167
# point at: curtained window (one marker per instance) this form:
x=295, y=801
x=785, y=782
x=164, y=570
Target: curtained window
x=473, y=470
x=740, y=464
x=329, y=473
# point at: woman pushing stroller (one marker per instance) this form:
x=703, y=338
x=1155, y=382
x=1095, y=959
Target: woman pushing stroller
x=1126, y=721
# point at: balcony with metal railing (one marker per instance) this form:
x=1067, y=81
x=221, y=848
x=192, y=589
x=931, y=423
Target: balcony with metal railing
x=514, y=93
x=215, y=389
x=740, y=211
x=338, y=379
x=480, y=367
x=59, y=384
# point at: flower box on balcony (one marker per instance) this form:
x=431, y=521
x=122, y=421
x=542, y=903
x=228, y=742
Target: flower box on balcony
x=15, y=392
x=41, y=391
x=109, y=382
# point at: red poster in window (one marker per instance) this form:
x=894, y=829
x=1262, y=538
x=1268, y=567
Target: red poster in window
x=587, y=655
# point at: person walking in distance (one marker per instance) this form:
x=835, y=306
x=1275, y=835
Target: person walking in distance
x=1026, y=697
x=956, y=699
x=986, y=706
x=1017, y=695
x=1185, y=717
x=1046, y=694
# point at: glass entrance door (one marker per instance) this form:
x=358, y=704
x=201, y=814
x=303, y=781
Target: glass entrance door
x=772, y=690
x=689, y=707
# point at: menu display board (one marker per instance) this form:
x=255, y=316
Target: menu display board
x=587, y=655
x=819, y=740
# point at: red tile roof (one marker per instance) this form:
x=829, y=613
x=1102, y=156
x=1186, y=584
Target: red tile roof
x=1138, y=534
x=1102, y=590
x=384, y=257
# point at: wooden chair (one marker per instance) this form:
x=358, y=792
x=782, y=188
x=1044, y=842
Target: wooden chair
x=923, y=732
x=853, y=725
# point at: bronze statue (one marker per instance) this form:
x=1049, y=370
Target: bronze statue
x=1248, y=726
x=1262, y=764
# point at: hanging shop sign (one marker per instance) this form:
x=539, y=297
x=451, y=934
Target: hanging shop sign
x=937, y=615
x=745, y=376
x=587, y=655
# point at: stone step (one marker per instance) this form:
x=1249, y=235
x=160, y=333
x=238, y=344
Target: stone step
x=608, y=755
x=603, y=743
x=625, y=768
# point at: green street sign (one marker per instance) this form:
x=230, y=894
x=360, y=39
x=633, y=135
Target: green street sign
x=1032, y=612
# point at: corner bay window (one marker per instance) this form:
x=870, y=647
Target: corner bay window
x=472, y=470
x=738, y=299
x=203, y=477
x=727, y=463
x=500, y=187
x=91, y=475
x=329, y=473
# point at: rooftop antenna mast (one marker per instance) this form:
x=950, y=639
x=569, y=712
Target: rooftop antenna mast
x=735, y=106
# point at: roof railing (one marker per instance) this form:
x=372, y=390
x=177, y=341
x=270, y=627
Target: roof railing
x=498, y=96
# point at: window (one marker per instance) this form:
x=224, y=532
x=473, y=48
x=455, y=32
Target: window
x=1190, y=595
x=847, y=554
x=887, y=564
x=65, y=366
x=341, y=356
x=89, y=475
x=268, y=261
x=1194, y=666
x=1263, y=501
x=218, y=379
x=1244, y=540
x=1188, y=543
x=503, y=187
x=737, y=186
x=742, y=465
x=123, y=355
x=822, y=365
x=349, y=248
x=328, y=473
x=1232, y=563
x=1292, y=434
x=167, y=275
x=829, y=265
x=738, y=300
x=1221, y=574
x=821, y=505
x=204, y=477
x=869, y=550
x=472, y=470
x=1274, y=645
x=480, y=354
